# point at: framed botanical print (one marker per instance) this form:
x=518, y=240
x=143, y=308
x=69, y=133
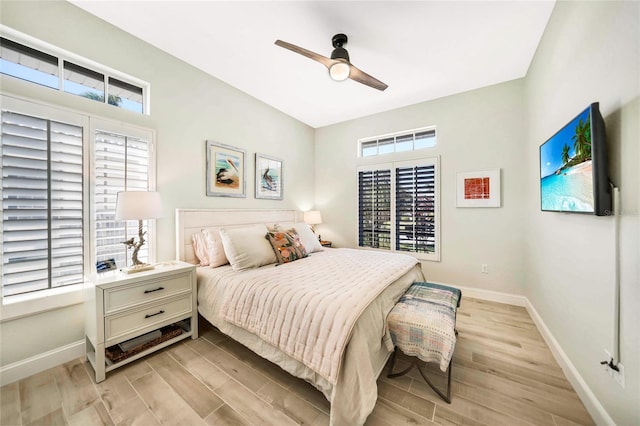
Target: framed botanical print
x=226, y=174
x=269, y=184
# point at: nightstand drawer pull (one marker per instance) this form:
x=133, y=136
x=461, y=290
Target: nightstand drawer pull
x=153, y=315
x=155, y=289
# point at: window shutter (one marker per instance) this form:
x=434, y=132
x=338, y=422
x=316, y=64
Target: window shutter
x=42, y=204
x=374, y=209
x=121, y=164
x=415, y=209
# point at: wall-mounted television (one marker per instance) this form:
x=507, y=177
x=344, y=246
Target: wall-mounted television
x=574, y=173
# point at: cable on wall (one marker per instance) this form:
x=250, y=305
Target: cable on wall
x=615, y=356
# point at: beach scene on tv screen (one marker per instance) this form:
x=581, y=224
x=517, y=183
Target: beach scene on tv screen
x=566, y=173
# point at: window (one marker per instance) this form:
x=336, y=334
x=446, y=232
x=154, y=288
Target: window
x=121, y=164
x=42, y=204
x=398, y=207
x=28, y=64
x=411, y=140
x=374, y=208
x=61, y=172
x=37, y=62
x=83, y=82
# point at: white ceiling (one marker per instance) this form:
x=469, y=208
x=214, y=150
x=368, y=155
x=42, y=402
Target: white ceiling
x=422, y=49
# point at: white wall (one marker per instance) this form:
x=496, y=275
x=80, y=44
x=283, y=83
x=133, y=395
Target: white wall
x=187, y=108
x=589, y=52
x=477, y=130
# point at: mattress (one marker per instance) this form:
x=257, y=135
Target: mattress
x=354, y=394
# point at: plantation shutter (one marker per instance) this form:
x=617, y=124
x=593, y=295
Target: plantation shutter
x=415, y=209
x=42, y=204
x=121, y=164
x=374, y=209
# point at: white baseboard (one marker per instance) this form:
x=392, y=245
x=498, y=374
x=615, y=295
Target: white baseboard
x=35, y=364
x=591, y=403
x=492, y=296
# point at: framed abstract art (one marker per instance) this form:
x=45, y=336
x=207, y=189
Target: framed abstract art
x=478, y=189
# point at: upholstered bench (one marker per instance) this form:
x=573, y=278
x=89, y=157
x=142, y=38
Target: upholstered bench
x=422, y=325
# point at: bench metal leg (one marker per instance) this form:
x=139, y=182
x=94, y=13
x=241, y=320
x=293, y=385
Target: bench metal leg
x=391, y=374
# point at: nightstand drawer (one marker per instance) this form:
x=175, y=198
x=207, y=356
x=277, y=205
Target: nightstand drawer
x=123, y=297
x=147, y=317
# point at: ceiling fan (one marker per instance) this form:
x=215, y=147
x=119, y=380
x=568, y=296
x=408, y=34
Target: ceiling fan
x=339, y=66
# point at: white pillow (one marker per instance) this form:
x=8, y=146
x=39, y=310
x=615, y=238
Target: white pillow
x=200, y=248
x=247, y=247
x=307, y=237
x=215, y=249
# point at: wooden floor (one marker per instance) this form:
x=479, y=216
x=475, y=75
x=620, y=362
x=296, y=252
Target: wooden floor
x=503, y=374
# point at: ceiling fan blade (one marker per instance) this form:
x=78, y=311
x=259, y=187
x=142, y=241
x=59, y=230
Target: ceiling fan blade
x=364, y=78
x=327, y=62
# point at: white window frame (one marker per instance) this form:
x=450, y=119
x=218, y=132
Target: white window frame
x=392, y=166
x=21, y=305
x=395, y=136
x=64, y=55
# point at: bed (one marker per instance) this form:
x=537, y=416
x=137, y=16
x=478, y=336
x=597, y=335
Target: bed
x=320, y=317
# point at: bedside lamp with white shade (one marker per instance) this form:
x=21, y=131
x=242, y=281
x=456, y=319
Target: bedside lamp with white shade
x=138, y=205
x=312, y=218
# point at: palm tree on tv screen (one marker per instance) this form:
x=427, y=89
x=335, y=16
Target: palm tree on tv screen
x=565, y=154
x=582, y=140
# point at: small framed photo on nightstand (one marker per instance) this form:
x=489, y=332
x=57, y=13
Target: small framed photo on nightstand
x=106, y=265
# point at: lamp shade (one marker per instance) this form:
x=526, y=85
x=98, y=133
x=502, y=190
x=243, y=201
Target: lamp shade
x=312, y=217
x=138, y=205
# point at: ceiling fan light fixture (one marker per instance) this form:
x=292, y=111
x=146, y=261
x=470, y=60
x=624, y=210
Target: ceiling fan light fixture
x=340, y=71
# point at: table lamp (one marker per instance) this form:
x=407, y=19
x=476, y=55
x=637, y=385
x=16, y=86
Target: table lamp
x=312, y=218
x=138, y=205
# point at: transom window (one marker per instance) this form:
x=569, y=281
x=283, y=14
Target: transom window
x=412, y=140
x=52, y=67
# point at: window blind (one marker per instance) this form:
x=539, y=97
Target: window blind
x=42, y=204
x=398, y=207
x=415, y=209
x=121, y=164
x=374, y=209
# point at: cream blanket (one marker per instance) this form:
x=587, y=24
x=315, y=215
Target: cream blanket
x=309, y=312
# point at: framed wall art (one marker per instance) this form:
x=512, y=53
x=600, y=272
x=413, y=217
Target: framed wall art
x=226, y=174
x=478, y=189
x=269, y=184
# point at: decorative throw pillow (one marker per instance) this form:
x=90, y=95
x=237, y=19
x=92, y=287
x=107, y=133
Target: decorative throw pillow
x=286, y=245
x=246, y=247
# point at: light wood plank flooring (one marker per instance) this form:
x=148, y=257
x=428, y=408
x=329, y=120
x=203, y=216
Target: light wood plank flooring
x=503, y=374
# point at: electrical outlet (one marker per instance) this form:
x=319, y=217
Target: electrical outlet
x=618, y=376
x=484, y=268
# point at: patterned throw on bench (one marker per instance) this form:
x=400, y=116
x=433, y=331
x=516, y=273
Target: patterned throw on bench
x=422, y=323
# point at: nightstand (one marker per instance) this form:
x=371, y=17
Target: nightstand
x=325, y=243
x=132, y=315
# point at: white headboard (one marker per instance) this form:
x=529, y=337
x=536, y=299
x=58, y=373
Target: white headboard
x=190, y=221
